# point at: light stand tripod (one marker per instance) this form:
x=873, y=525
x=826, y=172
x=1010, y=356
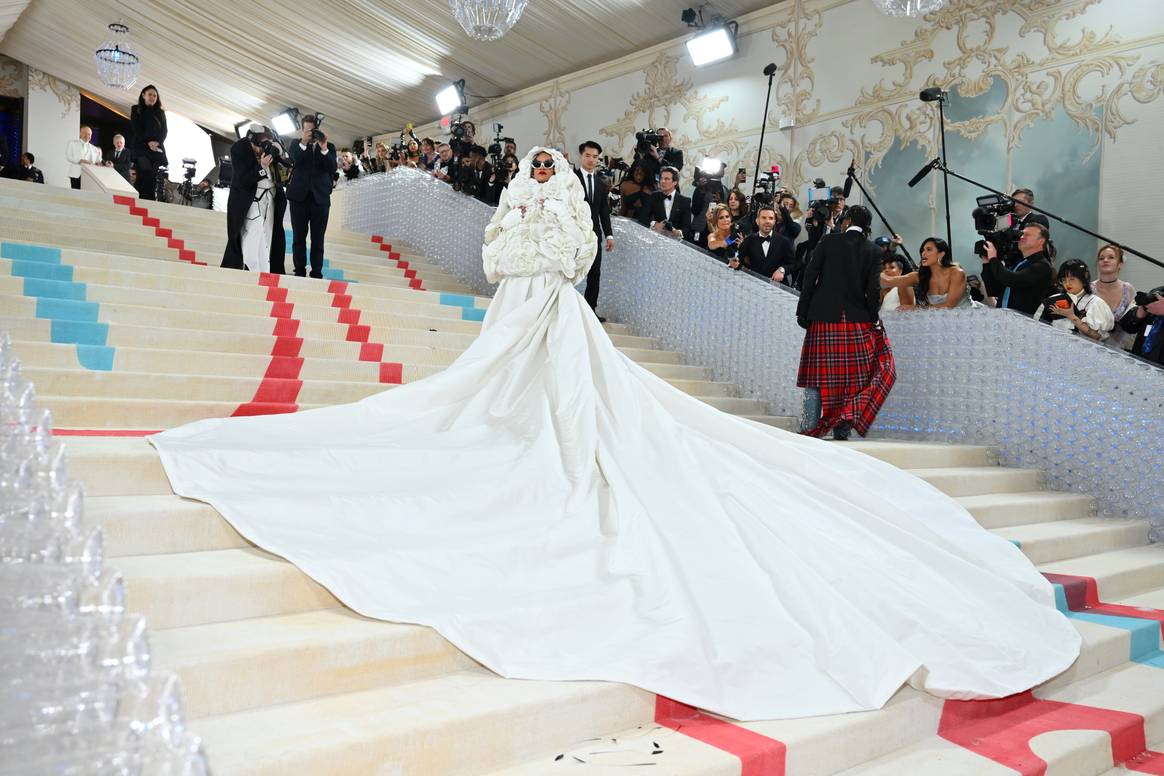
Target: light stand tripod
x=877, y=210
x=938, y=95
x=769, y=71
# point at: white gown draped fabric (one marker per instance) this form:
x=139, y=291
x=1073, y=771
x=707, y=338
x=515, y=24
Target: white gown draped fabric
x=558, y=512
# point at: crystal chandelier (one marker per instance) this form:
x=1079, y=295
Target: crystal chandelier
x=117, y=61
x=912, y=8
x=487, y=19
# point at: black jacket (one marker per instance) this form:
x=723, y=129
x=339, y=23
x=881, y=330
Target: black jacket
x=781, y=254
x=244, y=185
x=599, y=207
x=1140, y=327
x=314, y=173
x=1030, y=282
x=842, y=278
x=121, y=163
x=148, y=124
x=654, y=210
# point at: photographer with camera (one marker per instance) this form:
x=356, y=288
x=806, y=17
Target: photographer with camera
x=349, y=169
x=1146, y=322
x=767, y=252
x=503, y=173
x=635, y=191
x=653, y=147
x=1025, y=286
x=255, y=206
x=667, y=211
x=309, y=193
x=1074, y=307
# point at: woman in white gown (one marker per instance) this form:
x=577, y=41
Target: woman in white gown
x=558, y=512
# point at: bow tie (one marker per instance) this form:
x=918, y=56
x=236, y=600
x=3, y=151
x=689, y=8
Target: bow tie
x=765, y=239
x=667, y=198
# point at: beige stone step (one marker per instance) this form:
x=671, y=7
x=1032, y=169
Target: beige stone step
x=247, y=664
x=463, y=723
x=1046, y=542
x=999, y=510
x=979, y=480
x=195, y=588
x=160, y=524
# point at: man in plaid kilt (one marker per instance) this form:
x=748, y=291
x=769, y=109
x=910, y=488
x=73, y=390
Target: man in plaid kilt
x=846, y=364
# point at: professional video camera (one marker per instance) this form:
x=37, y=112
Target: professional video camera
x=646, y=140
x=990, y=208
x=497, y=147
x=766, y=187
x=459, y=142
x=186, y=187
x=820, y=202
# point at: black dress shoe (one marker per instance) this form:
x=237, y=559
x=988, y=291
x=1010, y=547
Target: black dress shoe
x=601, y=319
x=842, y=430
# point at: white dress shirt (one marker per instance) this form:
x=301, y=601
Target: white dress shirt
x=78, y=149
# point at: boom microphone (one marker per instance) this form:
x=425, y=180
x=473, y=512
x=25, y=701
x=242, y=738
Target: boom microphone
x=923, y=172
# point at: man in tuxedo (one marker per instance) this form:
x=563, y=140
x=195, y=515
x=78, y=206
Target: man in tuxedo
x=119, y=158
x=668, y=206
x=598, y=197
x=764, y=251
x=309, y=194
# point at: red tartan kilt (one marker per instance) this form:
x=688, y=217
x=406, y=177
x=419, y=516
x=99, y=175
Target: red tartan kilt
x=840, y=356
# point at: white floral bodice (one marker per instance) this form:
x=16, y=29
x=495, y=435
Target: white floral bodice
x=532, y=234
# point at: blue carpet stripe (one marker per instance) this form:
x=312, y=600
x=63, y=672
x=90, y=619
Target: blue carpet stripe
x=476, y=314
x=73, y=320
x=1143, y=635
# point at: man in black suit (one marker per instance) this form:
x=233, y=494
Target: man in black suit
x=598, y=197
x=25, y=171
x=250, y=165
x=1023, y=214
x=845, y=362
x=668, y=206
x=766, y=252
x=119, y=158
x=309, y=193
x=1024, y=286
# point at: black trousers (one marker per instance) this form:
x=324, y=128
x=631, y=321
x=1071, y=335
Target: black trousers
x=308, y=217
x=147, y=163
x=75, y=183
x=278, y=239
x=592, y=277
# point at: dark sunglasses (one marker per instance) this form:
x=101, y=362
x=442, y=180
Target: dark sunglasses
x=548, y=163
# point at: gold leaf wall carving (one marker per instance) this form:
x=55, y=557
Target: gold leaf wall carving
x=67, y=95
x=12, y=77
x=554, y=109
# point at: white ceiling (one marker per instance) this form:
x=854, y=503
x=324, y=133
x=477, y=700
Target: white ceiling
x=9, y=12
x=369, y=65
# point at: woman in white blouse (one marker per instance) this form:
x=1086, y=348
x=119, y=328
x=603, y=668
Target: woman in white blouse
x=1077, y=309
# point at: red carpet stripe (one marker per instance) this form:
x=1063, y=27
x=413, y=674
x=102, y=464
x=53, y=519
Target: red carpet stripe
x=414, y=282
x=758, y=754
x=1001, y=730
x=152, y=222
x=341, y=300
x=1083, y=596
x=279, y=390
